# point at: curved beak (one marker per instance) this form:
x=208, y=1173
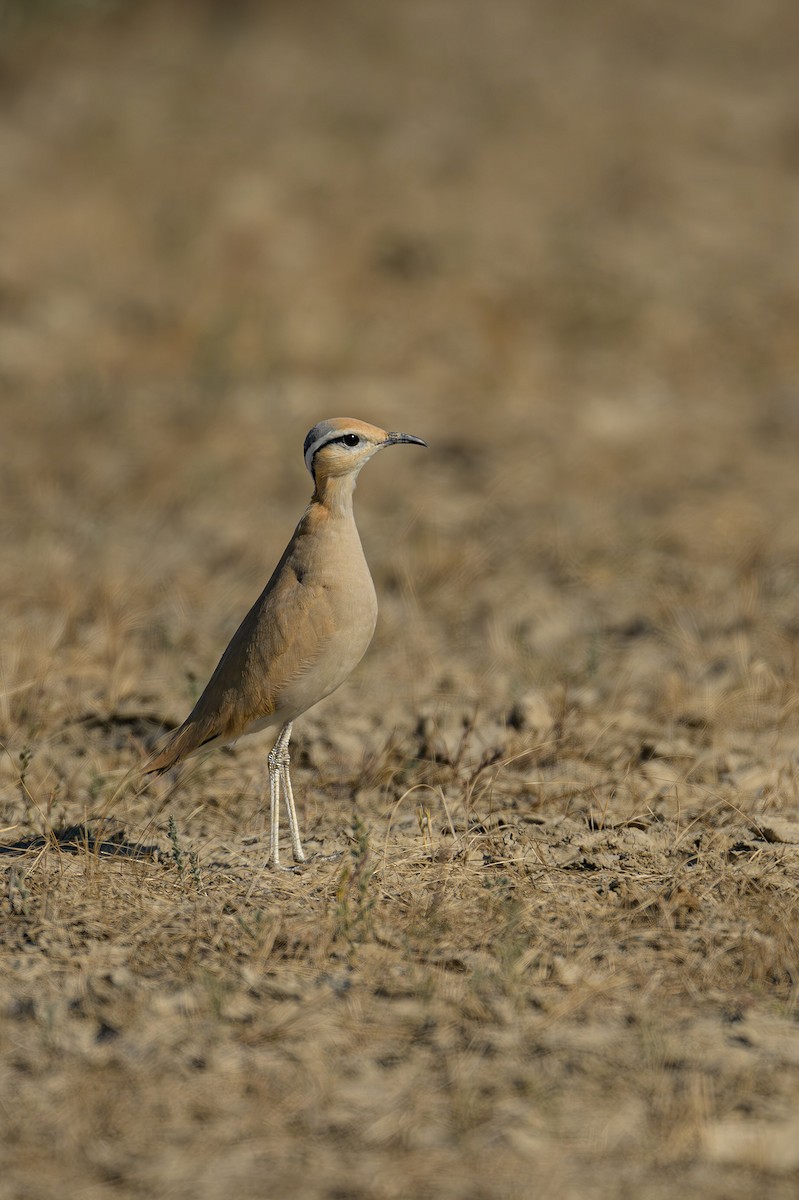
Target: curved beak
x=396, y=439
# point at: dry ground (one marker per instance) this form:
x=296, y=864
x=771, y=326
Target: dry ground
x=558, y=955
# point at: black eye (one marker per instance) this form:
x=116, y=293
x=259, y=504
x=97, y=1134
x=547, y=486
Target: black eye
x=350, y=439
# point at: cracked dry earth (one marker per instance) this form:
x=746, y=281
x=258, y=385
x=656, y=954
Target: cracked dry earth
x=546, y=944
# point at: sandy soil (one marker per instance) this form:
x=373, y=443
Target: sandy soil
x=558, y=953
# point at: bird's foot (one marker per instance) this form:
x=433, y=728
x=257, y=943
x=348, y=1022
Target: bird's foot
x=298, y=867
x=294, y=869
x=329, y=857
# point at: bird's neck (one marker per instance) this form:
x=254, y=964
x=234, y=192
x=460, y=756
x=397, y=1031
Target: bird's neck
x=334, y=493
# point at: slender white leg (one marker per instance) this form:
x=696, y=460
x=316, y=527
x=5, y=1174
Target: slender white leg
x=296, y=844
x=274, y=805
x=279, y=762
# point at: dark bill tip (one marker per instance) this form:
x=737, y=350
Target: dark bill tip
x=396, y=439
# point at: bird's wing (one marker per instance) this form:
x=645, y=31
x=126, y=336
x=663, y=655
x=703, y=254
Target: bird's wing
x=279, y=639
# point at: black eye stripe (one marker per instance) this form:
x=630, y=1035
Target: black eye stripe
x=315, y=442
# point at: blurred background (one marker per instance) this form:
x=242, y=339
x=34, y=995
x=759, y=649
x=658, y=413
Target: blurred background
x=558, y=240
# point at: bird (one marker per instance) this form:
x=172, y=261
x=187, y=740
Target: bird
x=307, y=630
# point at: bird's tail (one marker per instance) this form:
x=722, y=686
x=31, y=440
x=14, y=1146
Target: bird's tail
x=199, y=731
x=181, y=743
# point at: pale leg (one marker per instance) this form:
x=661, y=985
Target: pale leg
x=279, y=763
x=296, y=844
x=274, y=805
x=284, y=760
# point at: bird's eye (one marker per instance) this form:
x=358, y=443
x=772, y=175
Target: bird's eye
x=350, y=439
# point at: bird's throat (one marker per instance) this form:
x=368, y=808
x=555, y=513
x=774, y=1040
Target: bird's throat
x=334, y=493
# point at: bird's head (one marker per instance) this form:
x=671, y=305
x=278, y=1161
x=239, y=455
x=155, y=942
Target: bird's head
x=340, y=446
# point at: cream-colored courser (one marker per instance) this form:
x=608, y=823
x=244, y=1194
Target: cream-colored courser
x=308, y=629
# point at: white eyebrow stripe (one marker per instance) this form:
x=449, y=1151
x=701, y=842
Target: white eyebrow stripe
x=317, y=445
